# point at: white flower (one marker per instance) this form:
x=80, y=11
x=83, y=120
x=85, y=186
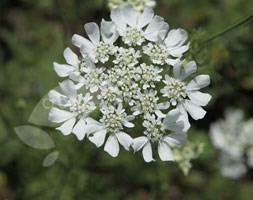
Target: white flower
x=75, y=109
x=74, y=64
x=92, y=78
x=170, y=50
x=100, y=47
x=156, y=132
x=149, y=75
x=136, y=29
x=138, y=5
x=188, y=98
x=147, y=102
x=112, y=123
x=126, y=57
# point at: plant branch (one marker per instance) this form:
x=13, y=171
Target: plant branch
x=243, y=21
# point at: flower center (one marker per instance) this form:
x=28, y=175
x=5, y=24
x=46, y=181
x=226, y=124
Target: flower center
x=82, y=106
x=103, y=51
x=157, y=53
x=175, y=90
x=112, y=121
x=154, y=131
x=127, y=57
x=133, y=36
x=146, y=103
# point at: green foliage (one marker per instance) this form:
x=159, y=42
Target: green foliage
x=33, y=34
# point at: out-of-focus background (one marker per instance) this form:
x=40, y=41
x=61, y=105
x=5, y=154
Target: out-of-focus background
x=33, y=34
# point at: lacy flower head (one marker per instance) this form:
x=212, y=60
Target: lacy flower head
x=130, y=72
x=233, y=136
x=138, y=5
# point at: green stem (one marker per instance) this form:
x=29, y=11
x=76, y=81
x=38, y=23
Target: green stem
x=243, y=21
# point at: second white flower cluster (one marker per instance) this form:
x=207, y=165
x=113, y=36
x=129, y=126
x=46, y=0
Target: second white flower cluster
x=130, y=85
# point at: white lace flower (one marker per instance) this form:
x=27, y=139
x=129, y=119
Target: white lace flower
x=136, y=29
x=138, y=5
x=73, y=66
x=76, y=109
x=147, y=102
x=92, y=78
x=112, y=122
x=126, y=57
x=156, y=132
x=100, y=47
x=170, y=50
x=178, y=92
x=110, y=95
x=149, y=75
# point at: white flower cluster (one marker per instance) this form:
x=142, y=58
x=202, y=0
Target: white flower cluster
x=131, y=71
x=233, y=136
x=138, y=5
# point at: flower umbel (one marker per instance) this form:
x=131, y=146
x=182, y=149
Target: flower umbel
x=131, y=71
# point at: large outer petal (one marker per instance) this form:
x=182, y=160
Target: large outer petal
x=93, y=32
x=165, y=152
x=124, y=139
x=199, y=98
x=79, y=129
x=118, y=19
x=139, y=142
x=70, y=57
x=194, y=110
x=130, y=16
x=112, y=146
x=79, y=41
x=198, y=82
x=109, y=31
x=58, y=99
x=63, y=70
x=153, y=29
x=57, y=115
x=98, y=137
x=147, y=152
x=67, y=127
x=176, y=138
x=145, y=17
x=68, y=88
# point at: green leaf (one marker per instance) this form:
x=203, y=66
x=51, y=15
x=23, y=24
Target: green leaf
x=50, y=159
x=34, y=137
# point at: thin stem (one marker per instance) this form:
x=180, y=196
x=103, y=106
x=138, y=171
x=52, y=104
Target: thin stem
x=243, y=21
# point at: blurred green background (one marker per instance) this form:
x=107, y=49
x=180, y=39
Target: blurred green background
x=33, y=34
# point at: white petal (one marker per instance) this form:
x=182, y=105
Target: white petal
x=79, y=129
x=175, y=37
x=67, y=127
x=128, y=124
x=145, y=17
x=56, y=115
x=79, y=41
x=199, y=98
x=109, y=31
x=152, y=30
x=178, y=51
x=198, y=82
x=70, y=57
x=98, y=137
x=118, y=19
x=194, y=110
x=63, y=70
x=92, y=126
x=112, y=146
x=160, y=114
x=68, y=88
x=92, y=31
x=190, y=68
x=163, y=105
x=124, y=139
x=176, y=138
x=139, y=142
x=165, y=152
x=147, y=152
x=130, y=15
x=58, y=99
